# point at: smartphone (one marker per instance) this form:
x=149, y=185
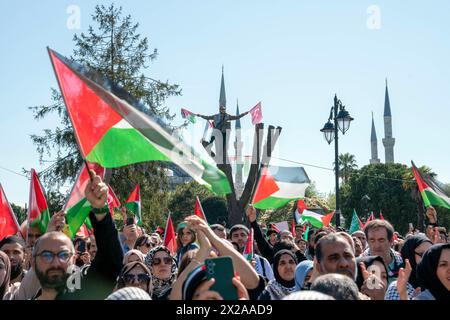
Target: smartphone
x=221, y=269
x=81, y=246
x=411, y=227
x=130, y=221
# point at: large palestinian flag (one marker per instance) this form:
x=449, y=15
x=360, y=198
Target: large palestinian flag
x=8, y=221
x=38, y=214
x=113, y=129
x=134, y=204
x=278, y=186
x=432, y=191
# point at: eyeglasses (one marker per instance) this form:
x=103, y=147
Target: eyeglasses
x=130, y=278
x=48, y=256
x=157, y=261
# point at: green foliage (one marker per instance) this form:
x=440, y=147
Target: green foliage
x=20, y=212
x=347, y=165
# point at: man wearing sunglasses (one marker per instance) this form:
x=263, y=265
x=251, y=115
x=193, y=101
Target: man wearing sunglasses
x=54, y=255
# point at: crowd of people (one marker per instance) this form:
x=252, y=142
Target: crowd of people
x=376, y=263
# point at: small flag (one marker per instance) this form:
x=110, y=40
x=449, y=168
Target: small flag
x=198, y=210
x=317, y=220
x=432, y=190
x=8, y=221
x=256, y=113
x=248, y=250
x=113, y=201
x=305, y=233
x=371, y=217
x=186, y=114
x=38, y=214
x=170, y=240
x=134, y=204
x=381, y=216
x=355, y=224
x=274, y=227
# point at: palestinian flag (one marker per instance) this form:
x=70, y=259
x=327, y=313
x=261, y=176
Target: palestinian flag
x=300, y=208
x=170, y=240
x=355, y=224
x=112, y=129
x=371, y=217
x=77, y=207
x=381, y=216
x=248, y=250
x=280, y=185
x=317, y=220
x=274, y=227
x=134, y=204
x=8, y=221
x=113, y=201
x=186, y=114
x=38, y=214
x=305, y=233
x=432, y=191
x=198, y=210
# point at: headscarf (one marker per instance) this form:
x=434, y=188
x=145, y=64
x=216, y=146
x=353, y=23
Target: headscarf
x=130, y=266
x=161, y=287
x=4, y=285
x=426, y=272
x=129, y=293
x=368, y=261
x=193, y=280
x=408, y=252
x=127, y=255
x=279, y=288
x=301, y=271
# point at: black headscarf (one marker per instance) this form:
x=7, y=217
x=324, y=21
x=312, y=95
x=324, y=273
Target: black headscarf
x=426, y=272
x=408, y=252
x=368, y=261
x=276, y=261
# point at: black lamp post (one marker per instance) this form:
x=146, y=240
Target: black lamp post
x=330, y=131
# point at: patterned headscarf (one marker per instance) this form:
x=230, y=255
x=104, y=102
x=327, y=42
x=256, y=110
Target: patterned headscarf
x=160, y=286
x=279, y=288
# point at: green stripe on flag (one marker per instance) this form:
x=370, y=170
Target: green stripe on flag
x=431, y=198
x=42, y=221
x=76, y=216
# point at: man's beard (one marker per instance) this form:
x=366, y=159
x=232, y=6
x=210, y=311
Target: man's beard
x=16, y=270
x=52, y=282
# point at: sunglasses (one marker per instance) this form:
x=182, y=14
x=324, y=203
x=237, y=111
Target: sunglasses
x=166, y=260
x=130, y=278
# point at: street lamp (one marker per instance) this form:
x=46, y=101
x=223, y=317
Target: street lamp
x=330, y=132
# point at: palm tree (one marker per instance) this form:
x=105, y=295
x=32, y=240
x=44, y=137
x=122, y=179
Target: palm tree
x=347, y=165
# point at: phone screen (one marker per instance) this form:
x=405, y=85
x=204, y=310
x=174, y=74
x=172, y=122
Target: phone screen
x=130, y=221
x=221, y=269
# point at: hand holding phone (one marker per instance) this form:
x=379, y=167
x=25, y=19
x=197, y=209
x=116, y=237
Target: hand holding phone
x=221, y=269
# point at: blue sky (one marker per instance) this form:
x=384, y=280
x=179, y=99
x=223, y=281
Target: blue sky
x=291, y=55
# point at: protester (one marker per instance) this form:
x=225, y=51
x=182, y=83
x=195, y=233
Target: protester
x=433, y=273
x=302, y=245
x=338, y=286
x=362, y=238
x=358, y=246
x=379, y=234
x=163, y=268
x=412, y=252
x=132, y=256
x=129, y=293
x=284, y=282
x=5, y=272
x=219, y=230
x=130, y=235
x=135, y=274
x=144, y=244
x=91, y=246
x=14, y=248
x=303, y=273
x=308, y=295
x=372, y=277
x=272, y=236
x=298, y=232
x=186, y=238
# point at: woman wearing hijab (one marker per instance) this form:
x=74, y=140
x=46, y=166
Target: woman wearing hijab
x=5, y=274
x=379, y=265
x=284, y=265
x=412, y=250
x=433, y=273
x=135, y=274
x=186, y=238
x=133, y=255
x=163, y=269
x=303, y=274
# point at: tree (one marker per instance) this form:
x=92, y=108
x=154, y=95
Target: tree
x=20, y=212
x=347, y=165
x=115, y=49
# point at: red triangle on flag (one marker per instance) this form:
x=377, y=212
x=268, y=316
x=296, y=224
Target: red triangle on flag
x=113, y=202
x=301, y=205
x=170, y=240
x=248, y=250
x=198, y=210
x=8, y=221
x=266, y=186
x=134, y=196
x=83, y=232
x=381, y=216
x=326, y=219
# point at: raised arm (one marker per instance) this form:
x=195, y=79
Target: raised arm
x=238, y=116
x=263, y=245
x=205, y=117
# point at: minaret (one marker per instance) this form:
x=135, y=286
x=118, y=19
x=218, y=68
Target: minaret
x=238, y=144
x=374, y=144
x=222, y=99
x=388, y=140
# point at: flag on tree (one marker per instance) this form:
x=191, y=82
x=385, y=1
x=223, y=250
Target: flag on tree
x=278, y=186
x=38, y=214
x=432, y=191
x=256, y=113
x=134, y=204
x=77, y=207
x=186, y=114
x=248, y=250
x=355, y=224
x=198, y=210
x=112, y=130
x=170, y=240
x=8, y=221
